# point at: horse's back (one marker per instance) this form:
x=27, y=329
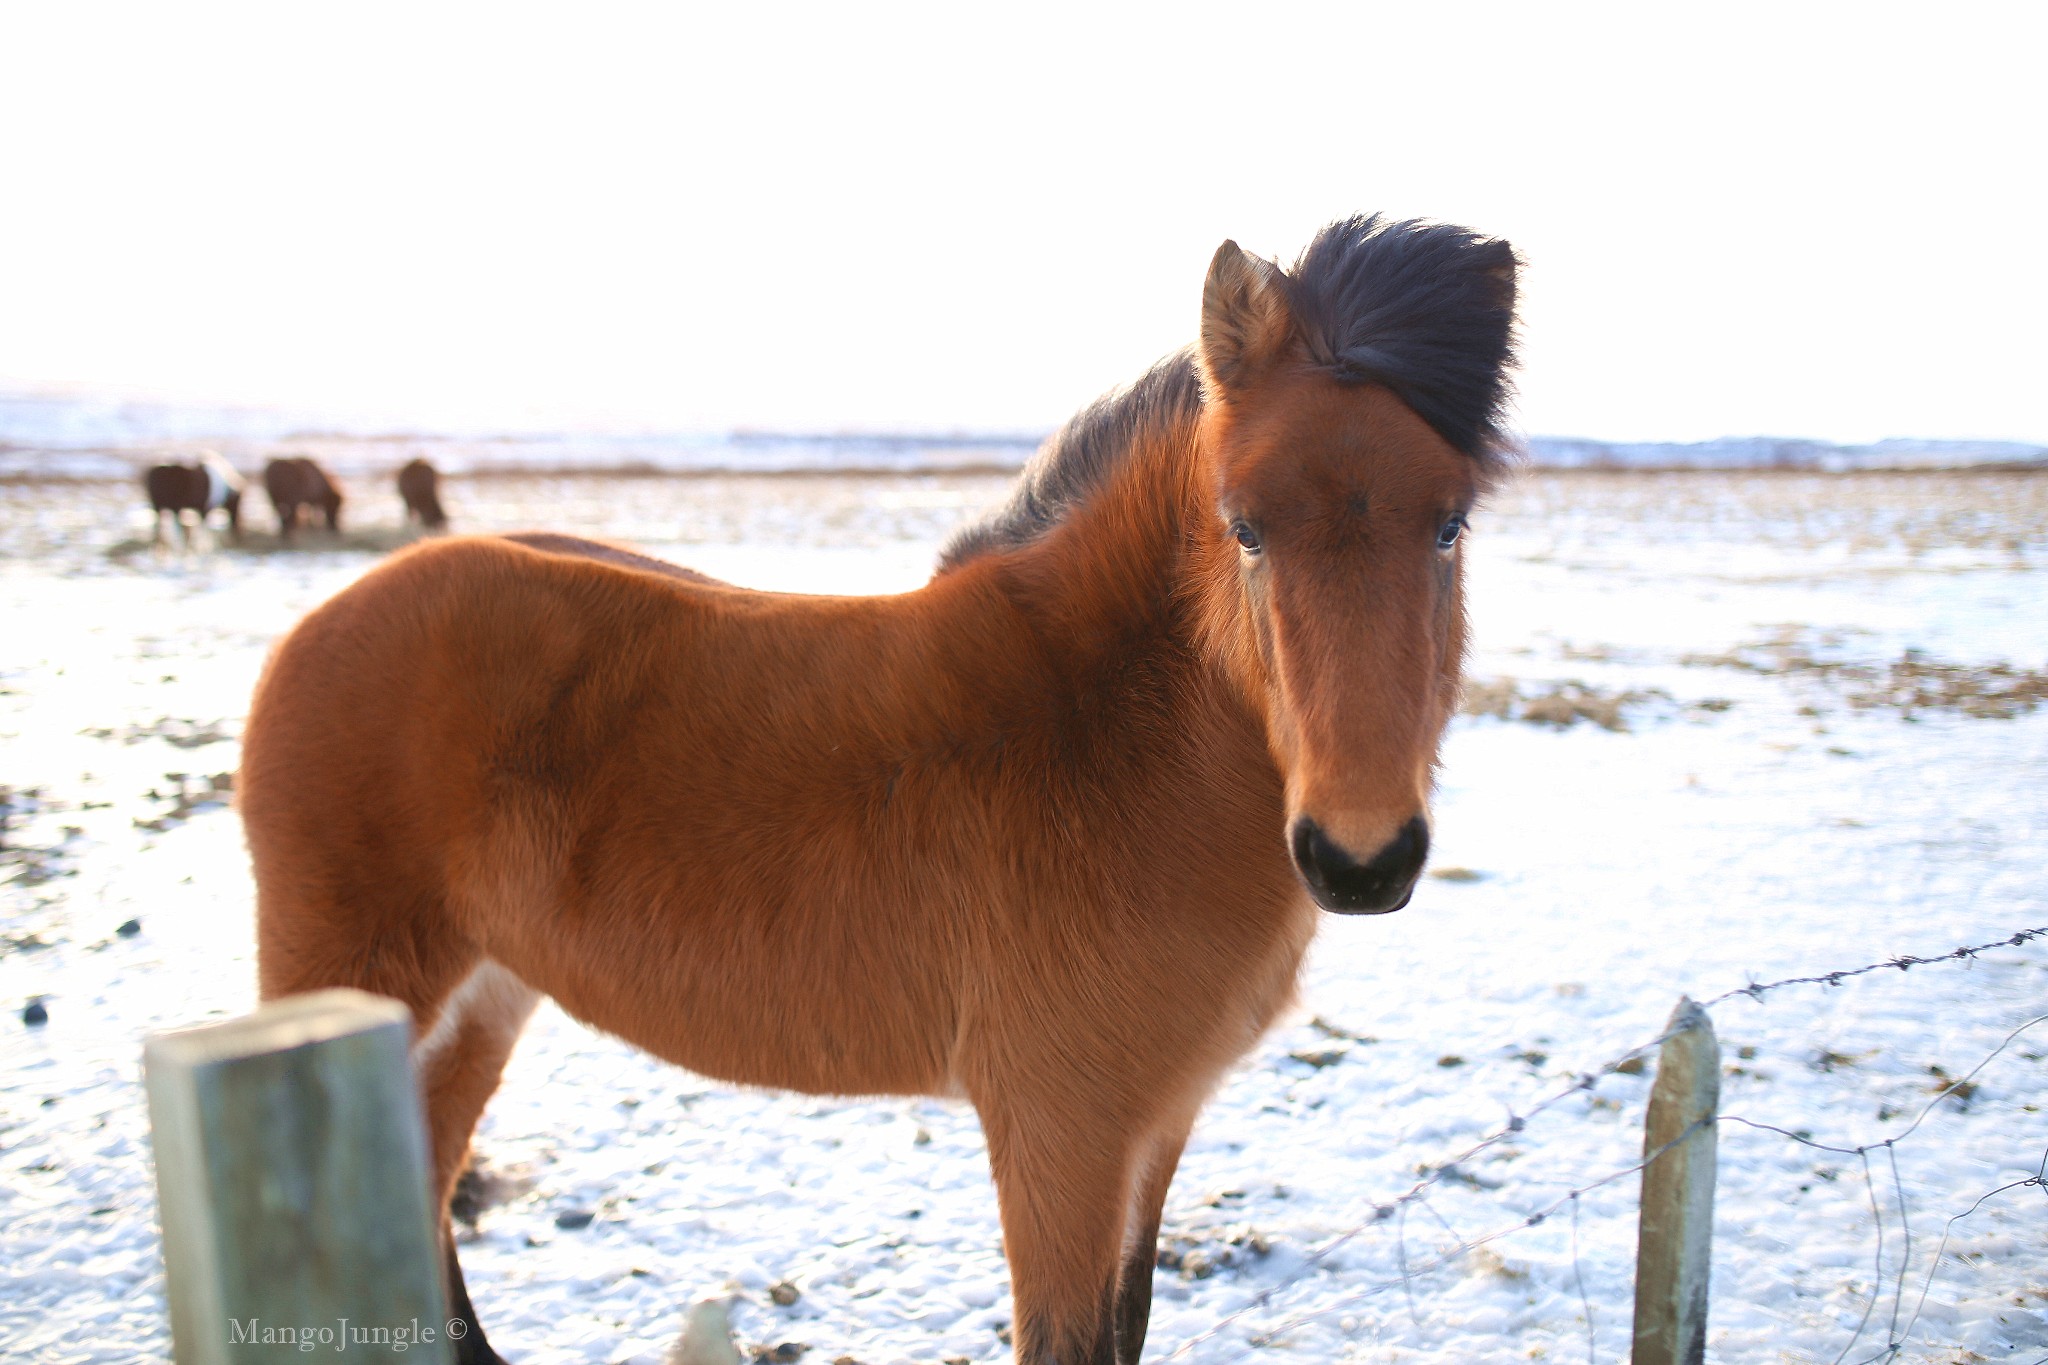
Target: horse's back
x=461, y=681
x=295, y=478
x=550, y=542
x=440, y=624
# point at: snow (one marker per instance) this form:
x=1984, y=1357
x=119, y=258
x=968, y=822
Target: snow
x=1786, y=833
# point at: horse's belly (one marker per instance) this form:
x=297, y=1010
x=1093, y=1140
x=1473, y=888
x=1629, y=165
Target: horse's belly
x=812, y=1062
x=798, y=1023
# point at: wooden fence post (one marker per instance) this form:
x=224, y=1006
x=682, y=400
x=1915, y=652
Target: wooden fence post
x=1675, y=1240
x=291, y=1167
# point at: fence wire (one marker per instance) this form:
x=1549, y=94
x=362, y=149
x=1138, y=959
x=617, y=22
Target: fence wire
x=1897, y=1336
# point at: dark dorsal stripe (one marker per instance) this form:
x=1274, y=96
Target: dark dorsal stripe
x=1426, y=309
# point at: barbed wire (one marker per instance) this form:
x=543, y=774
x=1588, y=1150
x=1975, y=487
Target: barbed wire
x=1894, y=1342
x=1409, y=1274
x=1579, y=1278
x=2038, y=1180
x=1443, y=1258
x=1586, y=1081
x=1905, y=962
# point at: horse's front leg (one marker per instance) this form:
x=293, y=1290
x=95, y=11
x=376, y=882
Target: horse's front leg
x=1153, y=1174
x=1063, y=1183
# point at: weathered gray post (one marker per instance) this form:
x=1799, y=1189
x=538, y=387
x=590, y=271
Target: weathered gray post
x=1675, y=1241
x=291, y=1168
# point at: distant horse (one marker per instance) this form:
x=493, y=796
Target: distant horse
x=419, y=483
x=297, y=484
x=196, y=488
x=1048, y=833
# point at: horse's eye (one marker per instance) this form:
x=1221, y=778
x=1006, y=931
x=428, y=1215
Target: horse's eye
x=1448, y=537
x=1246, y=537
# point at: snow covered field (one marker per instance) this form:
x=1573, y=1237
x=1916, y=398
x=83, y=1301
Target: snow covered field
x=1790, y=792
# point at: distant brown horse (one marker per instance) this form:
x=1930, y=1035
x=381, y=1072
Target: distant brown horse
x=296, y=484
x=196, y=488
x=419, y=483
x=1048, y=833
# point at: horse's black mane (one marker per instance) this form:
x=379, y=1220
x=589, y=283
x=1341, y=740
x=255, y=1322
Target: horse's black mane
x=1426, y=309
x=1079, y=455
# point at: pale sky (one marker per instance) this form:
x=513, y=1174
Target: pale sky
x=1805, y=220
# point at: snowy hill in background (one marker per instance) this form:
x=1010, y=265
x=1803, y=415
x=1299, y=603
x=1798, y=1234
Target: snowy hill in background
x=68, y=422
x=64, y=436
x=74, y=436
x=1772, y=452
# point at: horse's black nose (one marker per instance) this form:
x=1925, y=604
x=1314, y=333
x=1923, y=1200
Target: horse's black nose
x=1353, y=888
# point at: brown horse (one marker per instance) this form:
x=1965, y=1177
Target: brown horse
x=297, y=485
x=419, y=483
x=196, y=488
x=1048, y=833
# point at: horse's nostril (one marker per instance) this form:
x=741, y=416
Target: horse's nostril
x=1342, y=883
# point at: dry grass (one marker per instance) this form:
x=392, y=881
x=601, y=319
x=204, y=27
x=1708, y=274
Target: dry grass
x=1558, y=705
x=1911, y=683
x=1998, y=515
x=1916, y=683
x=368, y=540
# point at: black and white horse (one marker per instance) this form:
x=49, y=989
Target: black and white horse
x=201, y=488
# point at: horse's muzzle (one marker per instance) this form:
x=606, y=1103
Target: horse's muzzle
x=1340, y=883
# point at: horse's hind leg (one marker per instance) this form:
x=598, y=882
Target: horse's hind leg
x=461, y=1060
x=462, y=1057
x=467, y=1013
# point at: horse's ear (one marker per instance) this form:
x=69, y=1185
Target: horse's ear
x=1500, y=265
x=1245, y=322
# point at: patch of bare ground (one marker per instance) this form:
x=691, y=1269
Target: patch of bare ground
x=1199, y=1255
x=480, y=1188
x=1911, y=683
x=193, y=794
x=179, y=734
x=31, y=864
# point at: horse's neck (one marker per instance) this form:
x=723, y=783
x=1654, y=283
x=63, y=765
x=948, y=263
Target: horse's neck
x=1106, y=594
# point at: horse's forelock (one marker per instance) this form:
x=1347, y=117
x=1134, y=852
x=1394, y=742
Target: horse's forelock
x=1427, y=309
